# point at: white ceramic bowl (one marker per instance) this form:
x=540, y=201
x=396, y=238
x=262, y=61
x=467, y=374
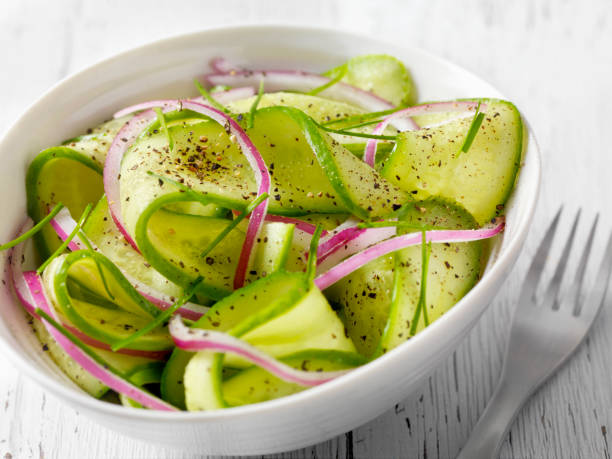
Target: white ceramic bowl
x=166, y=69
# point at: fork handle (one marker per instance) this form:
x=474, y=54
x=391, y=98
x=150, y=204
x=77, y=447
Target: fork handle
x=492, y=427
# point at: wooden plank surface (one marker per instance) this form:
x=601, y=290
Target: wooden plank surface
x=552, y=58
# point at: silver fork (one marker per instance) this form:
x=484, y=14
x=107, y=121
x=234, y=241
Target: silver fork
x=543, y=335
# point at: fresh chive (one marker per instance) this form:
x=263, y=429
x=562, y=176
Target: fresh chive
x=363, y=116
x=70, y=237
x=164, y=127
x=210, y=98
x=330, y=83
x=35, y=229
x=87, y=243
x=472, y=131
x=161, y=318
x=399, y=224
x=311, y=266
x=78, y=343
x=422, y=304
x=365, y=123
x=357, y=134
x=234, y=223
x=253, y=109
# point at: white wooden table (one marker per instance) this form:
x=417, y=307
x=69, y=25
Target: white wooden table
x=552, y=58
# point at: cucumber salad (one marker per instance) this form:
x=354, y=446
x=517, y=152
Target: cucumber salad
x=270, y=234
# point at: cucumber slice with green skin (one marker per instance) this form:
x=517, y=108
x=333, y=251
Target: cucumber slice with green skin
x=276, y=291
x=271, y=251
x=366, y=294
x=428, y=162
x=69, y=367
x=340, y=183
x=101, y=322
x=60, y=174
x=384, y=75
x=255, y=385
x=318, y=108
x=278, y=330
x=125, y=363
x=218, y=173
x=355, y=187
x=95, y=144
x=175, y=243
x=453, y=270
x=102, y=231
x=71, y=174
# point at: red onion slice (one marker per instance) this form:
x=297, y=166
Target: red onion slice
x=281, y=80
x=369, y=155
x=34, y=289
x=196, y=339
x=400, y=242
x=63, y=223
x=222, y=65
x=356, y=241
x=112, y=166
x=223, y=97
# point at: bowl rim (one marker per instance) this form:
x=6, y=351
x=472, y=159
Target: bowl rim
x=503, y=262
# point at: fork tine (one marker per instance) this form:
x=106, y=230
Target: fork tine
x=576, y=288
x=550, y=298
x=537, y=265
x=598, y=292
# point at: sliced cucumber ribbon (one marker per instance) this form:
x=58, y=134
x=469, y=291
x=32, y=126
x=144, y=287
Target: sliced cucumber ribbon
x=195, y=339
x=64, y=224
x=81, y=355
x=369, y=157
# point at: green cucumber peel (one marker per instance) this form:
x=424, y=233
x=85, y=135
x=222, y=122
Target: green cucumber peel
x=67, y=307
x=68, y=240
x=324, y=156
x=340, y=72
x=157, y=260
x=472, y=130
x=234, y=223
x=35, y=229
x=210, y=98
x=161, y=318
x=34, y=208
x=253, y=109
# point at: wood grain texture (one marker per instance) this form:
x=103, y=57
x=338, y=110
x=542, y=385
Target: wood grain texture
x=552, y=58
